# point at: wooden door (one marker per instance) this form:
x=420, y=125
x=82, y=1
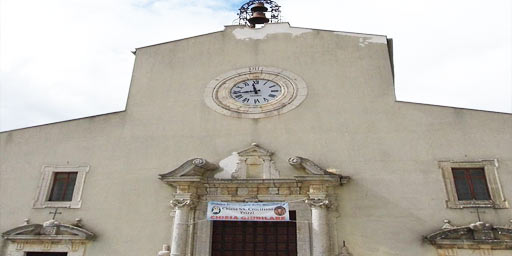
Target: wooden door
x=255, y=238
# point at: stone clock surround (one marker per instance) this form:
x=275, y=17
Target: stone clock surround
x=309, y=195
x=217, y=94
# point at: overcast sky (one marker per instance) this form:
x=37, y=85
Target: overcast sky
x=66, y=59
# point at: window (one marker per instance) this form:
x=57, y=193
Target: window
x=61, y=186
x=472, y=184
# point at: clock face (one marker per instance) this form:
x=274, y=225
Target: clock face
x=256, y=91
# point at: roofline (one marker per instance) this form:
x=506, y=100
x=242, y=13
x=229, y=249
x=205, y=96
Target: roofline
x=226, y=26
x=172, y=41
x=64, y=121
x=327, y=30
x=459, y=108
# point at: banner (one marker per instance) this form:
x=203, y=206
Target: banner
x=271, y=211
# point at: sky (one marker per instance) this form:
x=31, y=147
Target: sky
x=67, y=59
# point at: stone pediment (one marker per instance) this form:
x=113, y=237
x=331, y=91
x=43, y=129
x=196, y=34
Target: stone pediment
x=479, y=235
x=50, y=230
x=255, y=150
x=253, y=162
x=192, y=168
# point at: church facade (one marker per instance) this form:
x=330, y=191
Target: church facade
x=251, y=115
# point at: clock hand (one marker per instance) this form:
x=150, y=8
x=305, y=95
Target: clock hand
x=254, y=89
x=248, y=91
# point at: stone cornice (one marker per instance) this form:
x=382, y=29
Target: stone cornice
x=192, y=167
x=309, y=166
x=50, y=230
x=314, y=169
x=473, y=236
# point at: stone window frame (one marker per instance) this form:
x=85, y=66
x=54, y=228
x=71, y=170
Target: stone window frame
x=490, y=167
x=46, y=183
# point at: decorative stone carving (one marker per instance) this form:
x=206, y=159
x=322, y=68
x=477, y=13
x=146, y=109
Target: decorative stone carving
x=312, y=168
x=78, y=222
x=179, y=203
x=479, y=235
x=255, y=162
x=51, y=236
x=318, y=202
x=344, y=250
x=193, y=167
x=47, y=245
x=309, y=166
x=165, y=251
x=447, y=225
x=50, y=227
x=250, y=175
x=75, y=246
x=49, y=230
x=482, y=231
x=20, y=246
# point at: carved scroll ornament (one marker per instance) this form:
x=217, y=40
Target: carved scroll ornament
x=318, y=202
x=179, y=203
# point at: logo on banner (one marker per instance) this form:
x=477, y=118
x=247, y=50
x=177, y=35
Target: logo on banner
x=216, y=210
x=280, y=211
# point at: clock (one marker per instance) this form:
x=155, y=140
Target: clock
x=255, y=92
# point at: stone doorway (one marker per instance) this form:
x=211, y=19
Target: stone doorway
x=252, y=238
x=250, y=175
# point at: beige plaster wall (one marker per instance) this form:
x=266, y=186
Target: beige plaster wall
x=349, y=121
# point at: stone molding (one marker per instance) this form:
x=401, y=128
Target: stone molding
x=490, y=167
x=165, y=251
x=51, y=236
x=309, y=166
x=312, y=168
x=180, y=203
x=217, y=92
x=193, y=167
x=257, y=157
x=318, y=203
x=45, y=185
x=50, y=230
x=478, y=235
x=196, y=184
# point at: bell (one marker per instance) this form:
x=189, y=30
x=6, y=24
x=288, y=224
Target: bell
x=258, y=18
x=259, y=7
